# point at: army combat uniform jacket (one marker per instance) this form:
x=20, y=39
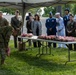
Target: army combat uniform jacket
x=3, y=22
x=71, y=27
x=5, y=32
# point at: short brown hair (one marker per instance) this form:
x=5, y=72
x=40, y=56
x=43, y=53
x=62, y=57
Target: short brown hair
x=37, y=16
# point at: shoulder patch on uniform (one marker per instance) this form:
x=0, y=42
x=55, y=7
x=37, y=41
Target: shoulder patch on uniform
x=52, y=20
x=47, y=20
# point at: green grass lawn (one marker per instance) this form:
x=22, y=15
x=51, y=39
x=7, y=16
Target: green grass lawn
x=26, y=63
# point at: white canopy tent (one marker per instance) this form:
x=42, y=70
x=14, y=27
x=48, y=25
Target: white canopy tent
x=32, y=3
x=27, y=4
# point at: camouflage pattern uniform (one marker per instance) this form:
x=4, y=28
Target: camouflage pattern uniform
x=5, y=32
x=3, y=22
x=2, y=48
x=71, y=26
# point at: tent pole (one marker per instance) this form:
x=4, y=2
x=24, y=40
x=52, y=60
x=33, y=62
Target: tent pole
x=23, y=14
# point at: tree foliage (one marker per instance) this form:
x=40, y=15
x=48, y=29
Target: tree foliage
x=7, y=10
x=35, y=10
x=49, y=9
x=72, y=8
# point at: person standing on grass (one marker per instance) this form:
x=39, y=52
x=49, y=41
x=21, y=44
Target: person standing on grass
x=36, y=29
x=60, y=28
x=16, y=23
x=71, y=30
x=28, y=26
x=51, y=27
x=4, y=37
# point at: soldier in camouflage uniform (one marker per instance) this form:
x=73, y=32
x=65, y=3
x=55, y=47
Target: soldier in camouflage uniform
x=5, y=32
x=71, y=26
x=16, y=23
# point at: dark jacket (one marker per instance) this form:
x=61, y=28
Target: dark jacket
x=28, y=26
x=15, y=23
x=66, y=20
x=27, y=17
x=51, y=23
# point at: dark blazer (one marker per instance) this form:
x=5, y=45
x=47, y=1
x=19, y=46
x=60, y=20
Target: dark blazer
x=27, y=17
x=51, y=23
x=65, y=20
x=28, y=26
x=15, y=23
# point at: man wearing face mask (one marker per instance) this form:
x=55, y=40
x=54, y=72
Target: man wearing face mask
x=17, y=25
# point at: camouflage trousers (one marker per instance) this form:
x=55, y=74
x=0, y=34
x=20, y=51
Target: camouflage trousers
x=2, y=53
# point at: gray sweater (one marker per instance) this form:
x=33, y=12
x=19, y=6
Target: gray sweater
x=34, y=26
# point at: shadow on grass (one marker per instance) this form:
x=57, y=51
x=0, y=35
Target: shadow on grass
x=40, y=63
x=6, y=71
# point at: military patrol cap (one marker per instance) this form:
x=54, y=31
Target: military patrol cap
x=67, y=9
x=50, y=13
